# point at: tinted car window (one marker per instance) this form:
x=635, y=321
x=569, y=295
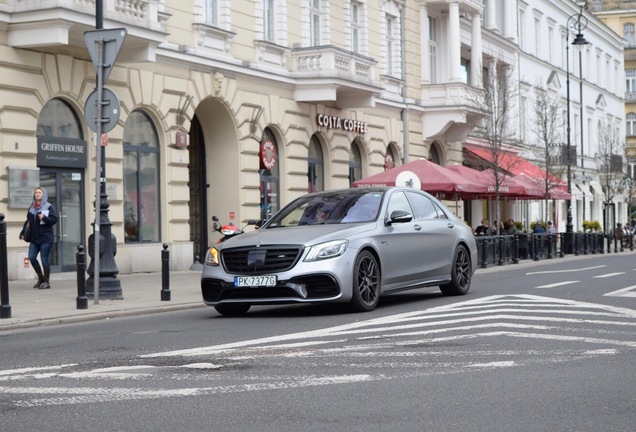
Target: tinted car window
x=440, y=212
x=329, y=208
x=422, y=206
x=398, y=201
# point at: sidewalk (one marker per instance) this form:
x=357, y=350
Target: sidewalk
x=141, y=291
x=142, y=295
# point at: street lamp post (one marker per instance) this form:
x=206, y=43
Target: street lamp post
x=576, y=22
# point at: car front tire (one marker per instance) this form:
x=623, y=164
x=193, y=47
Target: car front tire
x=461, y=274
x=232, y=309
x=366, y=283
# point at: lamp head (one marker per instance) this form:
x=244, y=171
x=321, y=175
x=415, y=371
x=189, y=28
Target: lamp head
x=579, y=41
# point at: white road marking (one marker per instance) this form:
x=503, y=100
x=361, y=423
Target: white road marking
x=558, y=284
x=492, y=365
x=389, y=322
x=565, y=271
x=608, y=275
x=625, y=292
x=83, y=395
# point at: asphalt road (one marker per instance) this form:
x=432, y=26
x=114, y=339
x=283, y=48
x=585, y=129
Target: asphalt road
x=529, y=349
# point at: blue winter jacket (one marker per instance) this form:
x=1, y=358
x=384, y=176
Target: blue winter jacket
x=42, y=230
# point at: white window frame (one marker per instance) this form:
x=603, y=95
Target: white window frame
x=357, y=20
x=211, y=12
x=630, y=35
x=392, y=58
x=269, y=22
x=432, y=47
x=630, y=124
x=315, y=21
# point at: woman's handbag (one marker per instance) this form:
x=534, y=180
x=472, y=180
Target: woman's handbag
x=26, y=231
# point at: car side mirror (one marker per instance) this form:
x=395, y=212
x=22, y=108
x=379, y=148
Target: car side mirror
x=399, y=216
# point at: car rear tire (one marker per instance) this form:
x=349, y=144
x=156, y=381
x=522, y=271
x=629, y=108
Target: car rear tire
x=366, y=283
x=461, y=274
x=232, y=309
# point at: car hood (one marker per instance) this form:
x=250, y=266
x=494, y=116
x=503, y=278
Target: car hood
x=307, y=235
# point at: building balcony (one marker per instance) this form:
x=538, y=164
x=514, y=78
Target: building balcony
x=451, y=109
x=56, y=25
x=330, y=75
x=629, y=53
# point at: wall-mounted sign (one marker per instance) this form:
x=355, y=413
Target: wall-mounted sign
x=267, y=155
x=62, y=152
x=22, y=182
x=349, y=125
x=182, y=139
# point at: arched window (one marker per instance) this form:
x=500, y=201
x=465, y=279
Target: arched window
x=631, y=124
x=433, y=154
x=58, y=119
x=315, y=166
x=141, y=179
x=629, y=35
x=389, y=158
x=355, y=164
x=269, y=175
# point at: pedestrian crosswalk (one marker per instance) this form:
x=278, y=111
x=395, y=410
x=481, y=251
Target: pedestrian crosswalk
x=481, y=334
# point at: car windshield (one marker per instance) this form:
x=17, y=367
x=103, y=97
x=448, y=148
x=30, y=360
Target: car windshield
x=351, y=206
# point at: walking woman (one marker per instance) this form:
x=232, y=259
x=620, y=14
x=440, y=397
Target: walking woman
x=41, y=217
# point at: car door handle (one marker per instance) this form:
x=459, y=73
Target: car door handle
x=417, y=227
x=451, y=225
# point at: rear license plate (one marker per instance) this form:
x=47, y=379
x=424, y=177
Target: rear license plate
x=254, y=281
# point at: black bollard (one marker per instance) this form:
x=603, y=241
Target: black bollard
x=5, y=307
x=80, y=261
x=515, y=249
x=165, y=273
x=484, y=253
x=502, y=250
x=561, y=252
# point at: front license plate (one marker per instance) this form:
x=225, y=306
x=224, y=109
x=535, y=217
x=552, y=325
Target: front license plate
x=254, y=281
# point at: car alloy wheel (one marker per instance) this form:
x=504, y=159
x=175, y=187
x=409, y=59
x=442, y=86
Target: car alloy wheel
x=366, y=282
x=461, y=274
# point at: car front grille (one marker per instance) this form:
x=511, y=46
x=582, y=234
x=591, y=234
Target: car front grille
x=260, y=260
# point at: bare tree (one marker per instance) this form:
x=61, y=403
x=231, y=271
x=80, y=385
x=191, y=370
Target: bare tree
x=497, y=129
x=610, y=161
x=548, y=149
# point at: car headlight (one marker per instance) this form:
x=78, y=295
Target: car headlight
x=212, y=257
x=327, y=250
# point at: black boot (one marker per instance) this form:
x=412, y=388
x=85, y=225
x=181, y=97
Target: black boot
x=38, y=271
x=45, y=283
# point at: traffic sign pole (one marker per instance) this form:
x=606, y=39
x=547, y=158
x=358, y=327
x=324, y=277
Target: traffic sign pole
x=103, y=47
x=98, y=170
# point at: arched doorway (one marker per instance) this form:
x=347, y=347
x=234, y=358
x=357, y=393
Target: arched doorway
x=62, y=158
x=197, y=185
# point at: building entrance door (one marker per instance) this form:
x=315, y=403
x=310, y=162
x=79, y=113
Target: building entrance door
x=66, y=193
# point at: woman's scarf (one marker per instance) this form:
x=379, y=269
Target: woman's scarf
x=42, y=205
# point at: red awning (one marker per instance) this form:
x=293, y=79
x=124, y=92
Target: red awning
x=509, y=188
x=520, y=167
x=434, y=179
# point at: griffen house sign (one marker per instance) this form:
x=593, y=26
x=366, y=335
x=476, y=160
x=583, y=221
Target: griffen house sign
x=334, y=122
x=62, y=152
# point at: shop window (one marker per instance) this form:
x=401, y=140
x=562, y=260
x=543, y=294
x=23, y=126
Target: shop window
x=355, y=164
x=269, y=175
x=58, y=119
x=141, y=180
x=315, y=166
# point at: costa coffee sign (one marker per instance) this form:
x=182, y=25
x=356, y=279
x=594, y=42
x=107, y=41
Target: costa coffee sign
x=267, y=155
x=334, y=122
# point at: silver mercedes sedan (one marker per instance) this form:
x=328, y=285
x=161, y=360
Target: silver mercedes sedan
x=348, y=246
